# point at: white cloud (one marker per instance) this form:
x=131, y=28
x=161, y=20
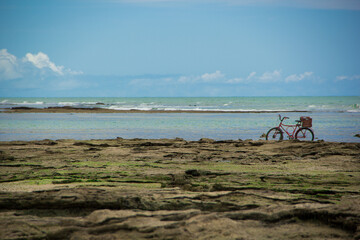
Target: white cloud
x=341, y=78
x=219, y=78
x=298, y=77
x=351, y=78
x=184, y=79
x=8, y=66
x=209, y=77
x=235, y=80
x=270, y=76
x=73, y=72
x=251, y=75
x=41, y=60
x=31, y=65
x=36, y=71
x=206, y=77
x=214, y=77
x=142, y=81
x=249, y=78
x=152, y=81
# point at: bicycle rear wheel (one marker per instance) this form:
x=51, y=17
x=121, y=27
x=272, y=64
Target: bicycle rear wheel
x=274, y=134
x=304, y=134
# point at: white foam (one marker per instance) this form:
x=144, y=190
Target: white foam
x=68, y=103
x=28, y=103
x=163, y=108
x=129, y=108
x=91, y=103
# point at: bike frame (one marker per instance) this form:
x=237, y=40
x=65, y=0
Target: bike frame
x=285, y=127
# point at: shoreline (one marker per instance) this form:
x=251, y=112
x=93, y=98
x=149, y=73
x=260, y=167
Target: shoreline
x=252, y=142
x=204, y=140
x=104, y=110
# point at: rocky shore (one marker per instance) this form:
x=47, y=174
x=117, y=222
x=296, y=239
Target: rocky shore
x=177, y=189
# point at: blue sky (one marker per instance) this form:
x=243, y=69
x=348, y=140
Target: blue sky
x=140, y=48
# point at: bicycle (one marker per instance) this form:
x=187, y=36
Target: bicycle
x=301, y=130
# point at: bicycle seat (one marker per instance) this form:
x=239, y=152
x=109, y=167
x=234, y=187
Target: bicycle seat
x=298, y=121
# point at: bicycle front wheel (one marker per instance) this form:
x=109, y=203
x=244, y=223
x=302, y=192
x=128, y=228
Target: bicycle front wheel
x=304, y=134
x=274, y=134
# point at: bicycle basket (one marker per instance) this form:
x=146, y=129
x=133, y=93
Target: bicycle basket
x=306, y=121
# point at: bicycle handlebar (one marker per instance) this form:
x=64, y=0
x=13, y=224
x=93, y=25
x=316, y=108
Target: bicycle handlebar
x=282, y=118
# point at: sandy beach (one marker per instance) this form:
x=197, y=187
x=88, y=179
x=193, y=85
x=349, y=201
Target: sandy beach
x=177, y=189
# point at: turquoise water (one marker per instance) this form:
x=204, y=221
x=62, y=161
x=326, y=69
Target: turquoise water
x=314, y=104
x=334, y=118
x=328, y=126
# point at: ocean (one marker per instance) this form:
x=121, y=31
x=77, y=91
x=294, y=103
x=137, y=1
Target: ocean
x=334, y=118
x=314, y=104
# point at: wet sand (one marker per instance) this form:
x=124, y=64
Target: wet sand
x=177, y=189
x=104, y=110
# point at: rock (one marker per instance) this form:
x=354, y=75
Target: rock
x=206, y=140
x=22, y=108
x=46, y=142
x=193, y=172
x=179, y=139
x=257, y=143
x=150, y=189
